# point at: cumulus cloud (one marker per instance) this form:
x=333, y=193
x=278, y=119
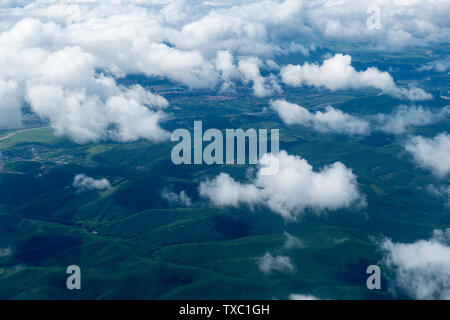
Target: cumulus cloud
x=124, y=115
x=226, y=69
x=225, y=191
x=330, y=120
x=431, y=153
x=405, y=117
x=262, y=87
x=176, y=41
x=295, y=188
x=178, y=198
x=64, y=86
x=422, y=268
x=244, y=28
x=82, y=182
x=337, y=73
x=248, y=71
x=269, y=263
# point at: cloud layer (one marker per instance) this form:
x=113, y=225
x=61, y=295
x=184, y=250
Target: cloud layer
x=337, y=73
x=78, y=49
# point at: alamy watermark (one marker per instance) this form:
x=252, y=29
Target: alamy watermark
x=74, y=280
x=374, y=280
x=234, y=151
x=374, y=20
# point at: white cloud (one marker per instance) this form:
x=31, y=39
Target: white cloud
x=399, y=121
x=269, y=263
x=225, y=191
x=250, y=26
x=125, y=115
x=292, y=242
x=298, y=296
x=82, y=182
x=295, y=188
x=431, y=153
x=181, y=198
x=422, y=268
x=63, y=85
x=242, y=28
x=437, y=65
x=174, y=12
x=337, y=73
x=226, y=69
x=405, y=117
x=249, y=68
x=330, y=120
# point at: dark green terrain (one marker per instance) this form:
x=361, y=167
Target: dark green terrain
x=132, y=244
